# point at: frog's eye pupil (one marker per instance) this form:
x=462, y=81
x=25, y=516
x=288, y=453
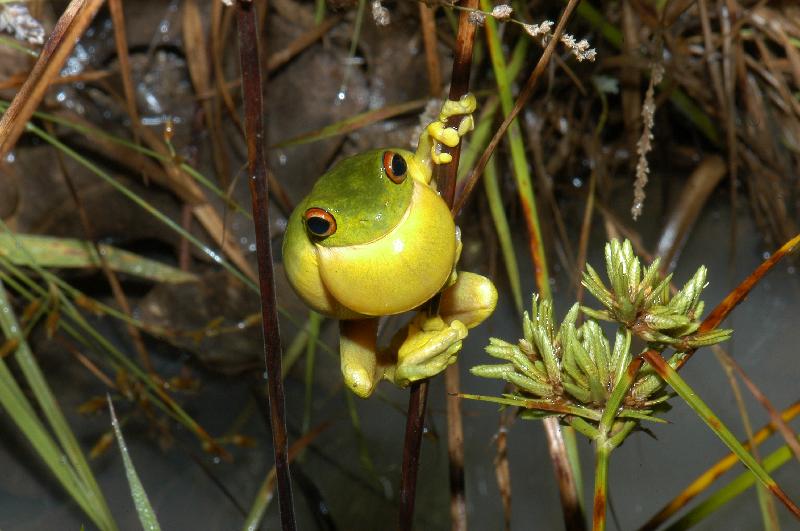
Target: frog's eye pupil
x=395, y=166
x=320, y=222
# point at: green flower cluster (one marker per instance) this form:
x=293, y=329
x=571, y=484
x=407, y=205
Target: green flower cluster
x=640, y=300
x=574, y=369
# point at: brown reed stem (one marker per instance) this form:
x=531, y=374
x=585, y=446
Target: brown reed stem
x=252, y=91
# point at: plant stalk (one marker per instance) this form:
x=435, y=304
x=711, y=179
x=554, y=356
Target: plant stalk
x=252, y=90
x=602, y=452
x=417, y=401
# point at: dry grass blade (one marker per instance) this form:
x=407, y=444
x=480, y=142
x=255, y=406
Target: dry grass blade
x=703, y=481
x=353, y=123
x=257, y=177
x=630, y=77
x=199, y=69
x=121, y=41
x=738, y=295
x=776, y=420
x=220, y=24
x=567, y=487
x=108, y=272
x=693, y=198
x=280, y=58
x=17, y=80
x=69, y=28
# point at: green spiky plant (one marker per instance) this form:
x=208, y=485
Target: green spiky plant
x=573, y=371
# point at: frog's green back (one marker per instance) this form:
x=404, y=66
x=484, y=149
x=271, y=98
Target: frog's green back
x=364, y=201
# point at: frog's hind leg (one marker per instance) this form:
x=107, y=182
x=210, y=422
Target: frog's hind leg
x=470, y=300
x=357, y=347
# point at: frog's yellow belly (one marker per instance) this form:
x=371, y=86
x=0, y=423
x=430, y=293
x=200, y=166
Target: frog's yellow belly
x=390, y=275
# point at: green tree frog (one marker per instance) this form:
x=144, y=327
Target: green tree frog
x=374, y=238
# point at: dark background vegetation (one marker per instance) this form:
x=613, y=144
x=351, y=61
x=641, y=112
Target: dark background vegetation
x=729, y=104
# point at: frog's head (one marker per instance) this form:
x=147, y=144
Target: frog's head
x=370, y=239
x=359, y=200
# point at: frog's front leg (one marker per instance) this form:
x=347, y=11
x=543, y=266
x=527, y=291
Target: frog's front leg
x=436, y=134
x=432, y=343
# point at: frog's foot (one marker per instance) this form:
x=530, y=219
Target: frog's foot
x=430, y=346
x=450, y=136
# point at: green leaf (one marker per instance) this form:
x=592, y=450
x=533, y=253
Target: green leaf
x=49, y=251
x=147, y=516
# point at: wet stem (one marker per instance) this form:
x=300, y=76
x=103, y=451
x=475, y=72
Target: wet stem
x=602, y=453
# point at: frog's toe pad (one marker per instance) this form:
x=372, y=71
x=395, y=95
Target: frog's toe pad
x=449, y=136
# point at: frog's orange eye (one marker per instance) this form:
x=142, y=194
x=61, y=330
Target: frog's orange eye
x=395, y=166
x=319, y=222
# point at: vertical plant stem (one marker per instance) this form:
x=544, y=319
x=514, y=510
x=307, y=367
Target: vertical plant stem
x=446, y=180
x=520, y=164
x=257, y=172
x=455, y=449
x=415, y=420
x=602, y=452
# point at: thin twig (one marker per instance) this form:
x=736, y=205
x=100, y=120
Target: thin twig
x=417, y=401
x=257, y=173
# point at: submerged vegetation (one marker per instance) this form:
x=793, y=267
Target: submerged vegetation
x=136, y=281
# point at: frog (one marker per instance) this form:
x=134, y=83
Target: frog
x=374, y=238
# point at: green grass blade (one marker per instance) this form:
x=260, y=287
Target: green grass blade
x=704, y=412
x=150, y=209
x=140, y=500
x=737, y=486
x=498, y=212
x=133, y=146
x=69, y=466
x=519, y=162
x=81, y=324
x=314, y=323
x=48, y=251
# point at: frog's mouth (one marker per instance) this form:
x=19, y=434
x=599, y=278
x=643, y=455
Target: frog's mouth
x=400, y=270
